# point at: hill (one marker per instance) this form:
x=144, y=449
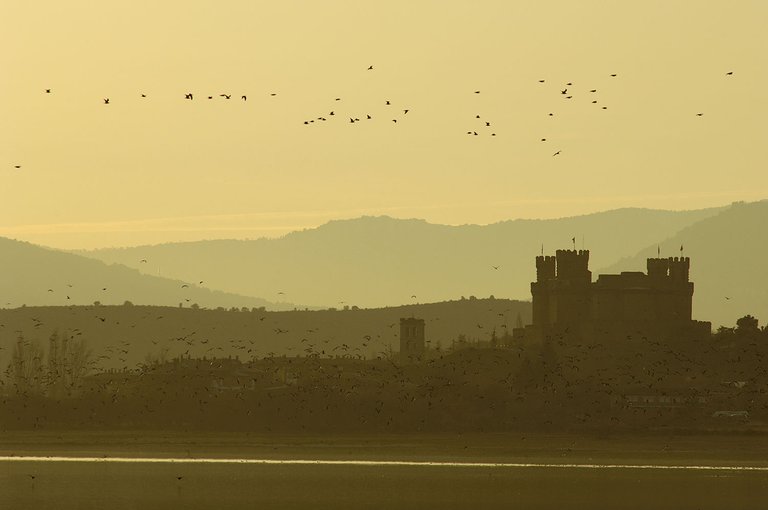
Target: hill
x=36, y=276
x=381, y=261
x=123, y=336
x=728, y=268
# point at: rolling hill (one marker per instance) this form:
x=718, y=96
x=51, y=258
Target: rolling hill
x=381, y=261
x=36, y=276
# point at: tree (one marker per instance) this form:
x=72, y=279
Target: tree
x=68, y=363
x=27, y=366
x=747, y=326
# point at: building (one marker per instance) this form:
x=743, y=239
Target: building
x=412, y=345
x=567, y=303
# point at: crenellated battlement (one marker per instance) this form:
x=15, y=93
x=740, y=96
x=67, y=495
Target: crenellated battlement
x=572, y=264
x=545, y=268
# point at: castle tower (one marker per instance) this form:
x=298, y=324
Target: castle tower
x=573, y=265
x=679, y=268
x=658, y=268
x=411, y=339
x=545, y=268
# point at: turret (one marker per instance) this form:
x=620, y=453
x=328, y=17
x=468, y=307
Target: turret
x=679, y=268
x=658, y=268
x=573, y=265
x=545, y=268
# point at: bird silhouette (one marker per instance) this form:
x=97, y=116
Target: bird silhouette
x=106, y=100
x=729, y=73
x=556, y=153
x=370, y=68
x=225, y=96
x=47, y=91
x=188, y=96
x=243, y=98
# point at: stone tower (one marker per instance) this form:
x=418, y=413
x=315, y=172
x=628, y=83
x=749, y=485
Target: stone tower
x=412, y=339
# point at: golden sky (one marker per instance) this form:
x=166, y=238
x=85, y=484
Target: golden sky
x=164, y=168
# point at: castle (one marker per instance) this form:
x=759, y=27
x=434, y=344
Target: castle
x=567, y=303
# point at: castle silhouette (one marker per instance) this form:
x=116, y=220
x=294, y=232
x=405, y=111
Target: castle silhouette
x=631, y=305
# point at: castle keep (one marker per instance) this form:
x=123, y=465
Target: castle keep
x=656, y=304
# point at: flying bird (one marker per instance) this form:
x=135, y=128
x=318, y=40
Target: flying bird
x=225, y=96
x=188, y=96
x=556, y=153
x=729, y=73
x=106, y=100
x=47, y=91
x=370, y=68
x=243, y=98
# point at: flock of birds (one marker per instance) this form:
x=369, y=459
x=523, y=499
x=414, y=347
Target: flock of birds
x=394, y=113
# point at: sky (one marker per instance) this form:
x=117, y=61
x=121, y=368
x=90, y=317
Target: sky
x=162, y=168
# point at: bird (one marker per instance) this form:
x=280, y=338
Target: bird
x=477, y=92
x=387, y=102
x=487, y=123
x=699, y=114
x=406, y=111
x=143, y=95
x=370, y=68
x=106, y=100
x=184, y=286
x=564, y=91
x=243, y=98
x=543, y=139
x=613, y=76
x=556, y=153
x=143, y=261
x=16, y=166
x=225, y=96
x=729, y=73
x=541, y=81
x=47, y=91
x=188, y=96
x=338, y=99
x=496, y=267
x=413, y=296
x=593, y=90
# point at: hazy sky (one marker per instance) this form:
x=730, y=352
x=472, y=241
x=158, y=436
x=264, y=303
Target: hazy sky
x=163, y=168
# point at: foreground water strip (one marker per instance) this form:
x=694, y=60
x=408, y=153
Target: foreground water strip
x=396, y=463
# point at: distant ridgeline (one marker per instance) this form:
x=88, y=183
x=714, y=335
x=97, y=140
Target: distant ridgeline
x=656, y=305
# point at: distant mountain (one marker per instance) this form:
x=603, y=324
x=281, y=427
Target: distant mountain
x=381, y=261
x=35, y=276
x=729, y=268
